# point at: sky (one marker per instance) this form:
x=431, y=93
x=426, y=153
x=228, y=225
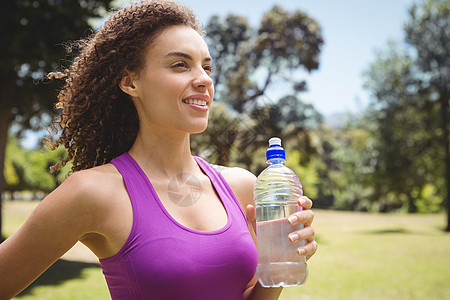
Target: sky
x=353, y=31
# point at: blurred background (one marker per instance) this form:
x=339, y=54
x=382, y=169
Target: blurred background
x=357, y=90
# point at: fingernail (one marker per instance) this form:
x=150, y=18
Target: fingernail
x=301, y=251
x=293, y=237
x=292, y=219
x=302, y=201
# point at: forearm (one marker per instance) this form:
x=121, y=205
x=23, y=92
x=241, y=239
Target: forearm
x=257, y=292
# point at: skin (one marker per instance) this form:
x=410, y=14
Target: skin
x=93, y=206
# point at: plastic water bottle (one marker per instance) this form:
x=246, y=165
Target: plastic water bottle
x=276, y=192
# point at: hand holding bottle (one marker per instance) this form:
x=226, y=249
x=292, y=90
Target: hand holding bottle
x=279, y=213
x=307, y=234
x=305, y=217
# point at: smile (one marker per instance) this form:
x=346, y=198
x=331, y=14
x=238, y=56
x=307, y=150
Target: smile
x=195, y=102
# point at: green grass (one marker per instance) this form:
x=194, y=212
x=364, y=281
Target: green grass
x=77, y=276
x=360, y=256
x=68, y=280
x=373, y=256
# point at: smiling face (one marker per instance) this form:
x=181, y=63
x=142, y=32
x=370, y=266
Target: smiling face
x=174, y=92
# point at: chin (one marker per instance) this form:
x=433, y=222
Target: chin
x=199, y=128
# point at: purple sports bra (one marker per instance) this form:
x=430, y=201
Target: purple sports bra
x=165, y=260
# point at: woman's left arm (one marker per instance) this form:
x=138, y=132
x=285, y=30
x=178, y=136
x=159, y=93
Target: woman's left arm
x=242, y=183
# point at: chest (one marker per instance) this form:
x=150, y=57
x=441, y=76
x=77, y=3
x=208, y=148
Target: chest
x=192, y=201
x=165, y=261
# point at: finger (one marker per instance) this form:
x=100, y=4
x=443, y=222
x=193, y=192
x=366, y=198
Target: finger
x=307, y=234
x=304, y=202
x=305, y=217
x=251, y=216
x=308, y=250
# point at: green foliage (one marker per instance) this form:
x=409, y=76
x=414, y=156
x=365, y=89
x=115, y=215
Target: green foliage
x=345, y=165
x=32, y=39
x=16, y=156
x=427, y=31
x=248, y=59
x=385, y=161
x=29, y=170
x=36, y=33
x=307, y=174
x=247, y=62
x=14, y=165
x=409, y=112
x=288, y=40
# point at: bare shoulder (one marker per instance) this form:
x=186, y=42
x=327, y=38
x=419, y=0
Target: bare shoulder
x=241, y=182
x=97, y=191
x=98, y=182
x=96, y=205
x=235, y=175
x=77, y=208
x=92, y=177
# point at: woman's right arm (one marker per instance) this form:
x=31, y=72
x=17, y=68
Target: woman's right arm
x=57, y=223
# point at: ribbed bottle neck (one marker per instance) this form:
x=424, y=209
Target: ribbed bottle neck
x=276, y=161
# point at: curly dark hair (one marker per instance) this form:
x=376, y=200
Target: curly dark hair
x=98, y=121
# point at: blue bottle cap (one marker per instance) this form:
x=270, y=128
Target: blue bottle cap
x=275, y=150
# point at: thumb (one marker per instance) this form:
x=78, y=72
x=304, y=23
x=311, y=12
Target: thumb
x=251, y=216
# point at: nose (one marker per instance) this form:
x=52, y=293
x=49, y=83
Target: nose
x=202, y=79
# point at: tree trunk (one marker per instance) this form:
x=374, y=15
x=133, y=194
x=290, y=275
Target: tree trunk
x=444, y=99
x=5, y=114
x=223, y=158
x=224, y=144
x=412, y=207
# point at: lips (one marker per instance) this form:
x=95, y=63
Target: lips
x=198, y=102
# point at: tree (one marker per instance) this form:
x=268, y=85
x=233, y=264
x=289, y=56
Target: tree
x=399, y=133
x=36, y=31
x=288, y=118
x=27, y=170
x=428, y=32
x=411, y=92
x=15, y=164
x=248, y=61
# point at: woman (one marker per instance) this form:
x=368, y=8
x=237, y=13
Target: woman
x=140, y=86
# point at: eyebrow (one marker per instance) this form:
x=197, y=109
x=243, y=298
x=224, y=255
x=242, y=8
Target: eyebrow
x=185, y=55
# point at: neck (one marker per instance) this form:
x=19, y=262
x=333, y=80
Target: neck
x=165, y=155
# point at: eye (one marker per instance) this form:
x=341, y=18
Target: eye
x=208, y=69
x=180, y=65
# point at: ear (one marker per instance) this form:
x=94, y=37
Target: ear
x=127, y=85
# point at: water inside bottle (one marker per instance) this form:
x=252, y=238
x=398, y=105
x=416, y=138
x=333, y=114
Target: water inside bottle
x=278, y=261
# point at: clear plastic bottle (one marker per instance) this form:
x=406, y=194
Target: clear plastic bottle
x=276, y=192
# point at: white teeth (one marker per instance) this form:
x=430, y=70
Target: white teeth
x=195, y=102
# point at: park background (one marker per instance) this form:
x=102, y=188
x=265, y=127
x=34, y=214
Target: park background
x=357, y=90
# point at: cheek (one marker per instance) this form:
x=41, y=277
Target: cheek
x=211, y=92
x=154, y=89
